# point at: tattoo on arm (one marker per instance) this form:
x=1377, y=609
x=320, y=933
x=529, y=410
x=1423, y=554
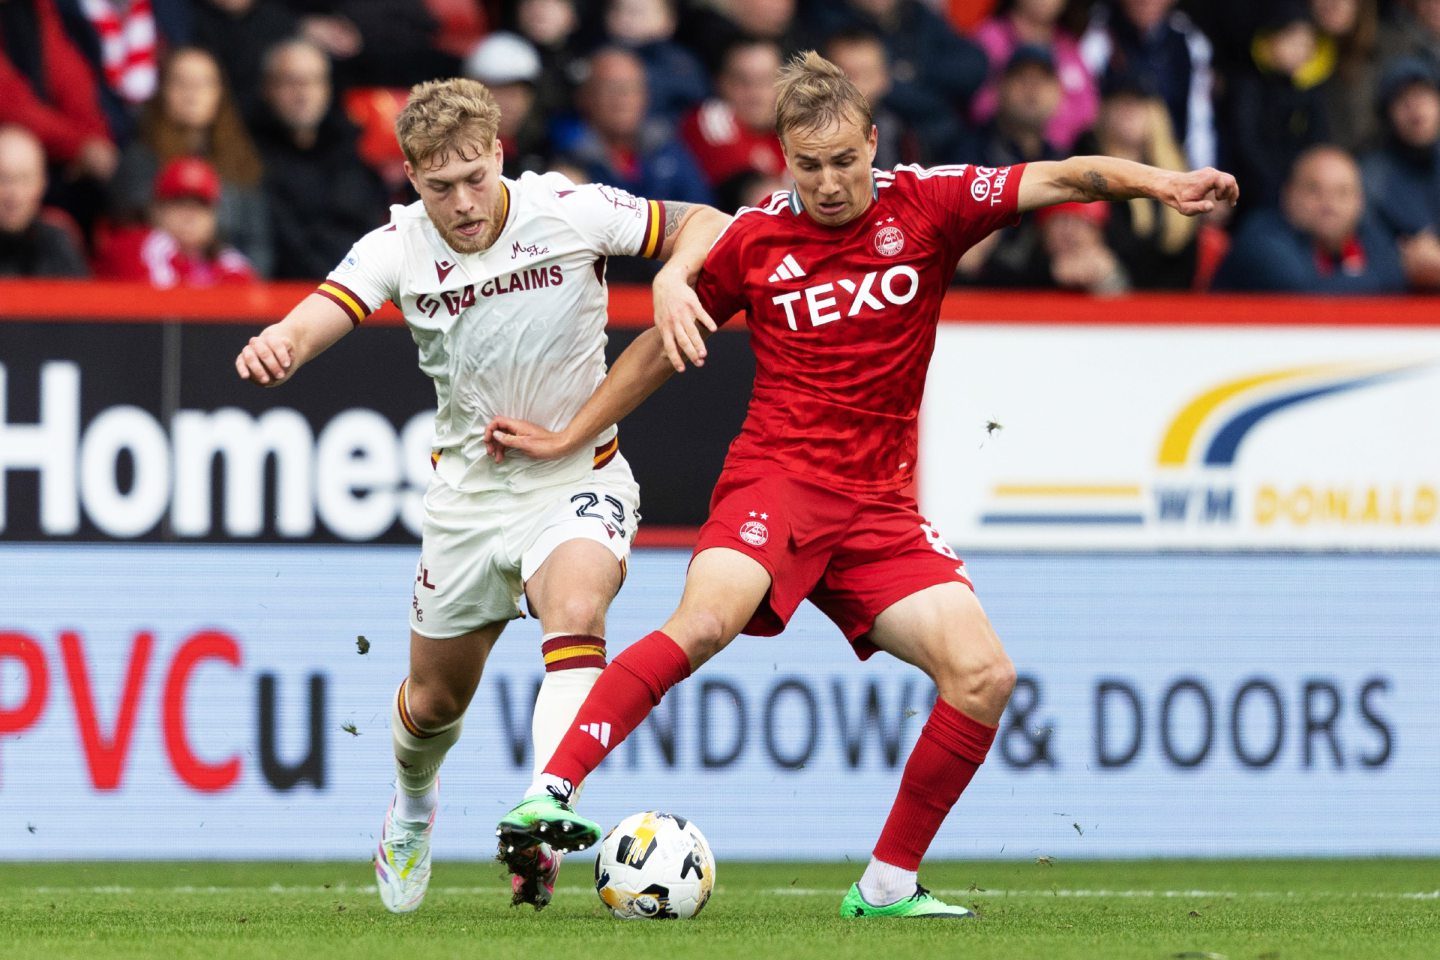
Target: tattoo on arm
x=1096, y=187
x=674, y=213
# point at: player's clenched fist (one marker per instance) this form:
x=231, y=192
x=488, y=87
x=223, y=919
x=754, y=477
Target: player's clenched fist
x=267, y=359
x=1200, y=191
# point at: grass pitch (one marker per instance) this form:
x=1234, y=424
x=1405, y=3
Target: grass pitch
x=1148, y=910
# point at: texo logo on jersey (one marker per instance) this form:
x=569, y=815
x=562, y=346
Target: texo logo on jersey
x=896, y=286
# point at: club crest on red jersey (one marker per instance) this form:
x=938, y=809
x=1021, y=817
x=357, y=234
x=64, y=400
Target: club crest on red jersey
x=754, y=532
x=888, y=240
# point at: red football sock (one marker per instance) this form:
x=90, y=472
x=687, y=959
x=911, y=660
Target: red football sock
x=950, y=749
x=619, y=702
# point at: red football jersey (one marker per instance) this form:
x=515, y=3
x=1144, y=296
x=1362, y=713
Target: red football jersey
x=842, y=319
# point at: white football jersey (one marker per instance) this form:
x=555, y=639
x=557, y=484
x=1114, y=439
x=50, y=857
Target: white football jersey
x=516, y=330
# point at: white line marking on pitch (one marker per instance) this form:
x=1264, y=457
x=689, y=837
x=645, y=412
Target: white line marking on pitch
x=338, y=888
x=1144, y=894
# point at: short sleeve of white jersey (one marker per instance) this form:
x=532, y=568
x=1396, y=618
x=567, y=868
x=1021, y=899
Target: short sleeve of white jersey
x=368, y=276
x=616, y=222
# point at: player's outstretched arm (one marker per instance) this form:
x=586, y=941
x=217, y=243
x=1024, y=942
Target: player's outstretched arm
x=274, y=354
x=636, y=373
x=690, y=232
x=1086, y=179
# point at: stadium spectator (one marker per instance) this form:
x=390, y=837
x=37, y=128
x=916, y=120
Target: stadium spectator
x=509, y=66
x=192, y=115
x=1402, y=177
x=936, y=71
x=1229, y=25
x=47, y=87
x=377, y=43
x=1275, y=108
x=734, y=133
x=1156, y=245
x=1319, y=240
x=863, y=58
x=1413, y=30
x=1077, y=252
x=1027, y=96
x=711, y=29
x=1056, y=248
x=319, y=193
x=237, y=33
x=31, y=246
x=1152, y=38
x=184, y=247
x=553, y=27
x=123, y=40
x=1022, y=22
x=1348, y=35
x=618, y=145
x=674, y=76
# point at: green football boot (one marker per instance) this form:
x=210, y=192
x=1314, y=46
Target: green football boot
x=544, y=819
x=921, y=904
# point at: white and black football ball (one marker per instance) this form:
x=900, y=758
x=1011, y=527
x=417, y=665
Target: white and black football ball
x=654, y=866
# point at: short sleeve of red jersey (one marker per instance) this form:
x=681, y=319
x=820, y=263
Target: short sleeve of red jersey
x=721, y=286
x=368, y=276
x=975, y=201
x=615, y=222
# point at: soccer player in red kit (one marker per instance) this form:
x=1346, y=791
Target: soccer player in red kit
x=841, y=281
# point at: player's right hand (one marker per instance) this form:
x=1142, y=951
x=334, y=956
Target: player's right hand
x=508, y=433
x=680, y=317
x=268, y=359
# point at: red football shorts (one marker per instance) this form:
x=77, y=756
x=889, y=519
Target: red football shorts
x=851, y=555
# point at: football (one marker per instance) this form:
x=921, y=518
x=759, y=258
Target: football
x=654, y=866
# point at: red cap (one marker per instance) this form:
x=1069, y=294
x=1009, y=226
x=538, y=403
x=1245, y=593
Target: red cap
x=1096, y=213
x=188, y=178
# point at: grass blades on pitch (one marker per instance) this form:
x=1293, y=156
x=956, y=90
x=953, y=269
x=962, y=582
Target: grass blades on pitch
x=1145, y=910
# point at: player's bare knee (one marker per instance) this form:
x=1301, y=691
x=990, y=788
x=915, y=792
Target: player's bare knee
x=433, y=706
x=1000, y=680
x=581, y=613
x=700, y=633
x=979, y=689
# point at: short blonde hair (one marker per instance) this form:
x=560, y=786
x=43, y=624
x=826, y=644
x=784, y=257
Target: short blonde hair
x=445, y=115
x=813, y=94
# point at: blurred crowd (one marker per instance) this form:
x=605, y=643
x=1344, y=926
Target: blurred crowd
x=203, y=142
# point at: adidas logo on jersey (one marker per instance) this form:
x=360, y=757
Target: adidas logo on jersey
x=789, y=269
x=600, y=731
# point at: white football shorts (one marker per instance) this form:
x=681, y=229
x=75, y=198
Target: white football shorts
x=477, y=550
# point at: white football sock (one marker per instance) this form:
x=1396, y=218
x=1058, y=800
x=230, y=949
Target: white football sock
x=418, y=755
x=561, y=694
x=884, y=884
x=416, y=809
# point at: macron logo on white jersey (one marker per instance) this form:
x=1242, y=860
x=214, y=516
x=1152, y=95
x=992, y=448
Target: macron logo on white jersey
x=600, y=731
x=788, y=270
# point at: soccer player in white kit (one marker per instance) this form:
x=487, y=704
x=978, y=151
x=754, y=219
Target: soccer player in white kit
x=502, y=283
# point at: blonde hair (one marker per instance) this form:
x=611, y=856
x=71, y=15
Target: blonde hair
x=813, y=94
x=1175, y=230
x=445, y=115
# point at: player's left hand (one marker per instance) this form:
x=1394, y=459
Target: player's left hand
x=508, y=433
x=1200, y=191
x=679, y=317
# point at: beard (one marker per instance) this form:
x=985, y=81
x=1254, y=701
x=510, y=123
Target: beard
x=478, y=243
